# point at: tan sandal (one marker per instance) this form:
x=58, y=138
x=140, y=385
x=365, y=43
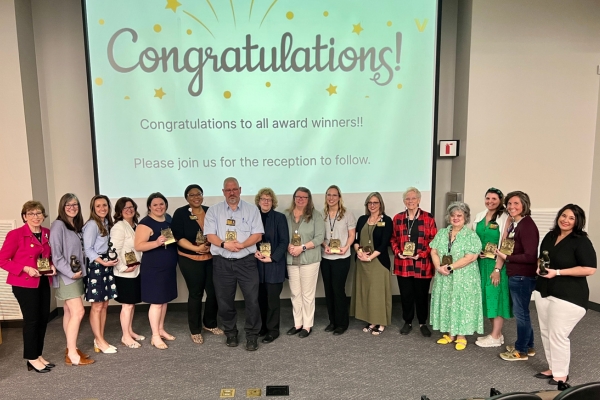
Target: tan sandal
x=198, y=339
x=166, y=336
x=161, y=346
x=214, y=331
x=134, y=345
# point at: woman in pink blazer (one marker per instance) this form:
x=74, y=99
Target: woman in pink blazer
x=26, y=249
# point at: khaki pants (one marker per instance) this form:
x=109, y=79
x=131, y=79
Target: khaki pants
x=303, y=285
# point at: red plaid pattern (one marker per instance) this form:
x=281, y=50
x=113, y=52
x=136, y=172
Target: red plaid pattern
x=423, y=267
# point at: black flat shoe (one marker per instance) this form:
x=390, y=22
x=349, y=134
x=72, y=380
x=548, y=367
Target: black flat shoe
x=330, y=328
x=555, y=383
x=262, y=332
x=269, y=338
x=304, y=333
x=425, y=330
x=252, y=344
x=39, y=371
x=232, y=341
x=405, y=330
x=339, y=331
x=539, y=375
x=294, y=331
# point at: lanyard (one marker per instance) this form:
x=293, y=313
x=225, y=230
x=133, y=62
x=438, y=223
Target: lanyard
x=409, y=226
x=331, y=226
x=511, y=231
x=450, y=242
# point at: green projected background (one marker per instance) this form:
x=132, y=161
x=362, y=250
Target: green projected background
x=279, y=93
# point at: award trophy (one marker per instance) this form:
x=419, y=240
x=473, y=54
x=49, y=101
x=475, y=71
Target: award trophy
x=447, y=260
x=265, y=249
x=490, y=250
x=230, y=236
x=507, y=247
x=200, y=238
x=43, y=266
x=111, y=254
x=130, y=259
x=409, y=249
x=75, y=264
x=168, y=233
x=545, y=263
x=366, y=249
x=334, y=246
x=296, y=239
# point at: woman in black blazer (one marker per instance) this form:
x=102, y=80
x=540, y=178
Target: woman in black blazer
x=271, y=268
x=372, y=295
x=195, y=263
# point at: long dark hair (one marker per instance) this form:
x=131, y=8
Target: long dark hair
x=501, y=208
x=62, y=215
x=120, y=205
x=97, y=219
x=579, y=220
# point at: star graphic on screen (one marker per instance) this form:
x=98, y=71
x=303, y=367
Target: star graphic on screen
x=173, y=4
x=159, y=93
x=357, y=29
x=332, y=89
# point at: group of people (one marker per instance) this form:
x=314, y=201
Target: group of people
x=485, y=270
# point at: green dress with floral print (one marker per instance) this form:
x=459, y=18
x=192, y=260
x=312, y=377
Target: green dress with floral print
x=456, y=305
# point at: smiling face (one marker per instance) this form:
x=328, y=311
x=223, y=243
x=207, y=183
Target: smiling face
x=514, y=207
x=374, y=205
x=411, y=201
x=34, y=218
x=72, y=208
x=332, y=197
x=158, y=207
x=457, y=219
x=232, y=192
x=195, y=198
x=566, y=221
x=101, y=208
x=128, y=211
x=265, y=203
x=301, y=200
x=492, y=201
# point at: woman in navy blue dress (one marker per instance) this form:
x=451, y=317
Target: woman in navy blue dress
x=158, y=267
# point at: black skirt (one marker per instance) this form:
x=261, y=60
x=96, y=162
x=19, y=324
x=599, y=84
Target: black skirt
x=129, y=289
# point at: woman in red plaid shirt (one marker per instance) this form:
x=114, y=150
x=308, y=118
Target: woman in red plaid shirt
x=414, y=229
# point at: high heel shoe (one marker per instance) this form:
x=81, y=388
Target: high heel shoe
x=49, y=365
x=109, y=350
x=39, y=371
x=160, y=346
x=82, y=361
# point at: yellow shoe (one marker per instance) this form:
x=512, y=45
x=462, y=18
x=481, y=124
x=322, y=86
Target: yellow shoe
x=461, y=344
x=445, y=340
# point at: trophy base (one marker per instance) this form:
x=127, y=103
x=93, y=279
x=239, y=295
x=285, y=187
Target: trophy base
x=169, y=241
x=135, y=264
x=266, y=253
x=45, y=272
x=334, y=250
x=489, y=255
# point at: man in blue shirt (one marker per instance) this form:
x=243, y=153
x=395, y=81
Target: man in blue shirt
x=233, y=227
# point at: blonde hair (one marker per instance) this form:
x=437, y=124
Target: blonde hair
x=341, y=208
x=411, y=189
x=267, y=192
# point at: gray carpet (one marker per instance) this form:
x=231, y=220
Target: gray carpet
x=355, y=365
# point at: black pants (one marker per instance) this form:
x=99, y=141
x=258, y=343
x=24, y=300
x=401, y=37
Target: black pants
x=198, y=277
x=414, y=292
x=270, y=308
x=334, y=274
x=35, y=307
x=227, y=275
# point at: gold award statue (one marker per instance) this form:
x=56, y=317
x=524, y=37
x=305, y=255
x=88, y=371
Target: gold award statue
x=265, y=249
x=296, y=239
x=168, y=233
x=230, y=236
x=508, y=246
x=200, y=238
x=489, y=250
x=43, y=266
x=130, y=259
x=409, y=249
x=447, y=259
x=335, y=246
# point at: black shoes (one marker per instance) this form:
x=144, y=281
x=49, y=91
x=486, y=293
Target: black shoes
x=330, y=328
x=232, y=341
x=539, y=375
x=293, y=330
x=269, y=338
x=39, y=371
x=405, y=330
x=425, y=330
x=262, y=332
x=339, y=331
x=252, y=344
x=555, y=383
x=304, y=333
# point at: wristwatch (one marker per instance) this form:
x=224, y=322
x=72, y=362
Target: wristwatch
x=303, y=247
x=496, y=270
x=223, y=244
x=558, y=272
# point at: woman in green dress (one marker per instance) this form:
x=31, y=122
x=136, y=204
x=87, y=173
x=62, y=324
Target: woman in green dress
x=456, y=295
x=489, y=225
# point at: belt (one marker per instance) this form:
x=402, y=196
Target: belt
x=235, y=259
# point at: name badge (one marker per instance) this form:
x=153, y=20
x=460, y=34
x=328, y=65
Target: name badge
x=381, y=223
x=230, y=222
x=493, y=226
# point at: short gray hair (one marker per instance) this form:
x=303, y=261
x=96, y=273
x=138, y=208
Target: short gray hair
x=411, y=189
x=230, y=179
x=459, y=206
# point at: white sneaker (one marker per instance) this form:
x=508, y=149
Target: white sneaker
x=489, y=341
x=485, y=337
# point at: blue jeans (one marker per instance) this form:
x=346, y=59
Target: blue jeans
x=521, y=288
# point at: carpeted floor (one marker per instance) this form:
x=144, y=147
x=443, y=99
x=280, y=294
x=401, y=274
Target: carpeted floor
x=355, y=365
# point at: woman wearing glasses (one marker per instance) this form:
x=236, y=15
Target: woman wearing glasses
x=100, y=281
x=306, y=231
x=68, y=258
x=127, y=271
x=195, y=263
x=271, y=264
x=372, y=295
x=340, y=229
x=24, y=254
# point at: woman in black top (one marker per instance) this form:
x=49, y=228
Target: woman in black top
x=561, y=296
x=195, y=263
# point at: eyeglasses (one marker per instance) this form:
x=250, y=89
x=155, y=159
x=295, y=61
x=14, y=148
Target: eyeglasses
x=130, y=208
x=301, y=197
x=71, y=206
x=231, y=190
x=372, y=203
x=194, y=195
x=265, y=199
x=35, y=215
